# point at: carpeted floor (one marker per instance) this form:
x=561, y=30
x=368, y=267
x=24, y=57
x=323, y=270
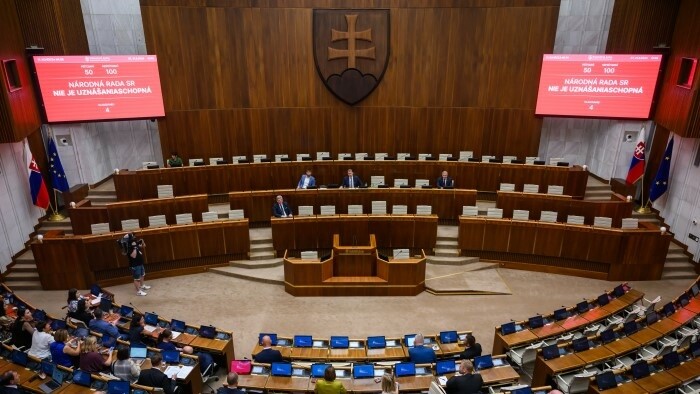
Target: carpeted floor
x=247, y=308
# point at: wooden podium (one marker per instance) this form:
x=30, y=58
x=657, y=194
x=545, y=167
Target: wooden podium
x=354, y=271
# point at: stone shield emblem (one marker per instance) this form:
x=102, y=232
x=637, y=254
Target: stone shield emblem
x=351, y=51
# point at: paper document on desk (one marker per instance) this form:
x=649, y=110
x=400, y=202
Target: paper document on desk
x=171, y=370
x=149, y=328
x=175, y=334
x=180, y=372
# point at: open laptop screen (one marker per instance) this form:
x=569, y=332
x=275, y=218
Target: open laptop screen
x=303, y=341
x=118, y=387
x=177, y=325
x=671, y=360
x=607, y=335
x=377, y=342
x=605, y=380
x=508, y=328
x=536, y=321
x=669, y=309
x=281, y=369
x=138, y=352
x=171, y=356
x=483, y=362
x=619, y=291
x=106, y=304
x=603, y=299
x=151, y=319
x=404, y=369
x=580, y=344
x=652, y=317
x=338, y=342
x=561, y=314
x=318, y=370
x=126, y=311
x=582, y=306
x=409, y=339
x=208, y=332
x=448, y=336
x=640, y=369
x=630, y=327
x=82, y=378
x=550, y=352
x=443, y=367
x=360, y=371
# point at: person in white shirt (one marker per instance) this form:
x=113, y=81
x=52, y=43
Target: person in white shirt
x=307, y=180
x=41, y=341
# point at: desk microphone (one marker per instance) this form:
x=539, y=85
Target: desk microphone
x=137, y=309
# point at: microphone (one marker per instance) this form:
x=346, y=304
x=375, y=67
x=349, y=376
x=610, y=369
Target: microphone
x=136, y=309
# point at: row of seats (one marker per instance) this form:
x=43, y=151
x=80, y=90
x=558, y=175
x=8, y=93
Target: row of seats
x=463, y=156
x=378, y=208
x=532, y=188
x=551, y=217
x=160, y=221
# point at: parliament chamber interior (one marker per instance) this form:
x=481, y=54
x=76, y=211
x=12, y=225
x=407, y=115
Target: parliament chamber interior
x=436, y=196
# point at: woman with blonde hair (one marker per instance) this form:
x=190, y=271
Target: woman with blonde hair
x=389, y=385
x=90, y=358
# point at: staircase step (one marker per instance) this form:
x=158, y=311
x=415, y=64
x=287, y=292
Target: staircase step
x=451, y=260
x=26, y=285
x=446, y=252
x=265, y=241
x=262, y=255
x=675, y=257
x=677, y=266
x=257, y=264
x=24, y=266
x=447, y=243
x=20, y=276
x=674, y=275
x=27, y=256
x=447, y=238
x=261, y=247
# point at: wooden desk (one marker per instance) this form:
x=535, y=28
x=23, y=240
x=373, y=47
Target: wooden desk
x=686, y=371
x=501, y=343
x=659, y=382
x=310, y=353
x=693, y=305
x=184, y=339
x=283, y=383
x=286, y=351
x=622, y=346
x=546, y=369
x=451, y=349
x=498, y=375
x=625, y=388
x=253, y=381
x=415, y=383
x=367, y=385
x=574, y=322
x=595, y=355
x=216, y=346
x=388, y=354
x=683, y=315
x=548, y=330
x=352, y=354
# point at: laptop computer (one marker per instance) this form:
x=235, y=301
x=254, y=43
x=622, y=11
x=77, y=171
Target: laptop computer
x=118, y=387
x=151, y=319
x=583, y=306
x=126, y=311
x=138, y=354
x=106, y=304
x=684, y=299
x=671, y=360
x=669, y=309
x=508, y=328
x=171, y=356
x=695, y=289
x=535, y=321
x=630, y=327
x=318, y=370
x=581, y=344
x=339, y=342
x=82, y=378
x=561, y=314
x=606, y=380
x=409, y=340
x=281, y=369
x=694, y=349
x=303, y=341
x=524, y=390
x=95, y=290
x=652, y=317
x=376, y=342
x=640, y=370
x=449, y=336
x=362, y=371
x=483, y=362
x=273, y=338
x=56, y=378
x=550, y=352
x=404, y=369
x=603, y=299
x=443, y=367
x=607, y=336
x=58, y=324
x=208, y=332
x=177, y=325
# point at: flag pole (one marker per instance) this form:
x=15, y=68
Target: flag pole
x=56, y=216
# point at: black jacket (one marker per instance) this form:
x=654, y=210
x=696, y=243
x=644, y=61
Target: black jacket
x=155, y=378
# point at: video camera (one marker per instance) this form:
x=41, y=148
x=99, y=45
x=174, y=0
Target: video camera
x=127, y=242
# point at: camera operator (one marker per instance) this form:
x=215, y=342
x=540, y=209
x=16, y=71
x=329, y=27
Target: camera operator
x=138, y=271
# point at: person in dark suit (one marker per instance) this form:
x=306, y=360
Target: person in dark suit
x=466, y=382
x=351, y=181
x=231, y=386
x=281, y=209
x=420, y=354
x=9, y=383
x=444, y=181
x=154, y=377
x=268, y=355
x=307, y=180
x=471, y=348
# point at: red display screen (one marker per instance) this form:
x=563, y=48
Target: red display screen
x=81, y=88
x=604, y=86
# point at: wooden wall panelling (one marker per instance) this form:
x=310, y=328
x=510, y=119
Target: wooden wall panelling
x=237, y=237
x=158, y=245
x=550, y=239
x=637, y=26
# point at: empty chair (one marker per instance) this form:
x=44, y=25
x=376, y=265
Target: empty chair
x=531, y=188
x=470, y=210
x=508, y=159
x=402, y=253
x=235, y=214
x=165, y=191
x=520, y=214
x=644, y=306
x=196, y=162
x=692, y=387
x=574, y=219
x=444, y=156
x=149, y=164
x=130, y=224
x=360, y=156
x=380, y=156
x=321, y=155
x=526, y=354
x=685, y=336
x=378, y=207
x=424, y=156
x=99, y=228
x=399, y=210
x=215, y=160
x=531, y=159
x=424, y=210
x=630, y=223
x=157, y=221
x=344, y=156
x=302, y=156
x=376, y=180
x=237, y=159
x=555, y=189
x=259, y=158
x=210, y=216
x=602, y=221
x=657, y=349
x=496, y=213
x=435, y=388
x=400, y=182
x=306, y=210
x=507, y=187
x=486, y=158
x=465, y=155
x=354, y=209
x=327, y=209
x=548, y=216
x=183, y=218
x=402, y=156
x=554, y=160
x=281, y=157
x=422, y=182
x=575, y=382
x=309, y=255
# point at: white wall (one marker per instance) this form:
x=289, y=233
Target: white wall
x=17, y=213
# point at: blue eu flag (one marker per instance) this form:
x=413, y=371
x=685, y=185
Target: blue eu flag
x=58, y=176
x=660, y=184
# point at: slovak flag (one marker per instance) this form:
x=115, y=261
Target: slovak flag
x=40, y=195
x=636, y=171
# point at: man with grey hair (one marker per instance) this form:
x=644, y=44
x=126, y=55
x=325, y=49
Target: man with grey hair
x=466, y=382
x=280, y=209
x=420, y=354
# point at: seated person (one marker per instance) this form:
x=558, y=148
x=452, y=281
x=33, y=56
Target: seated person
x=154, y=377
x=82, y=313
x=41, y=341
x=280, y=209
x=268, y=355
x=165, y=343
x=420, y=354
x=328, y=385
x=63, y=353
x=231, y=385
x=72, y=302
x=23, y=328
x=351, y=180
x=307, y=180
x=174, y=160
x=444, y=181
x=466, y=382
x=91, y=359
x=471, y=348
x=125, y=368
x=101, y=326
x=136, y=330
x=9, y=383
x=389, y=385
